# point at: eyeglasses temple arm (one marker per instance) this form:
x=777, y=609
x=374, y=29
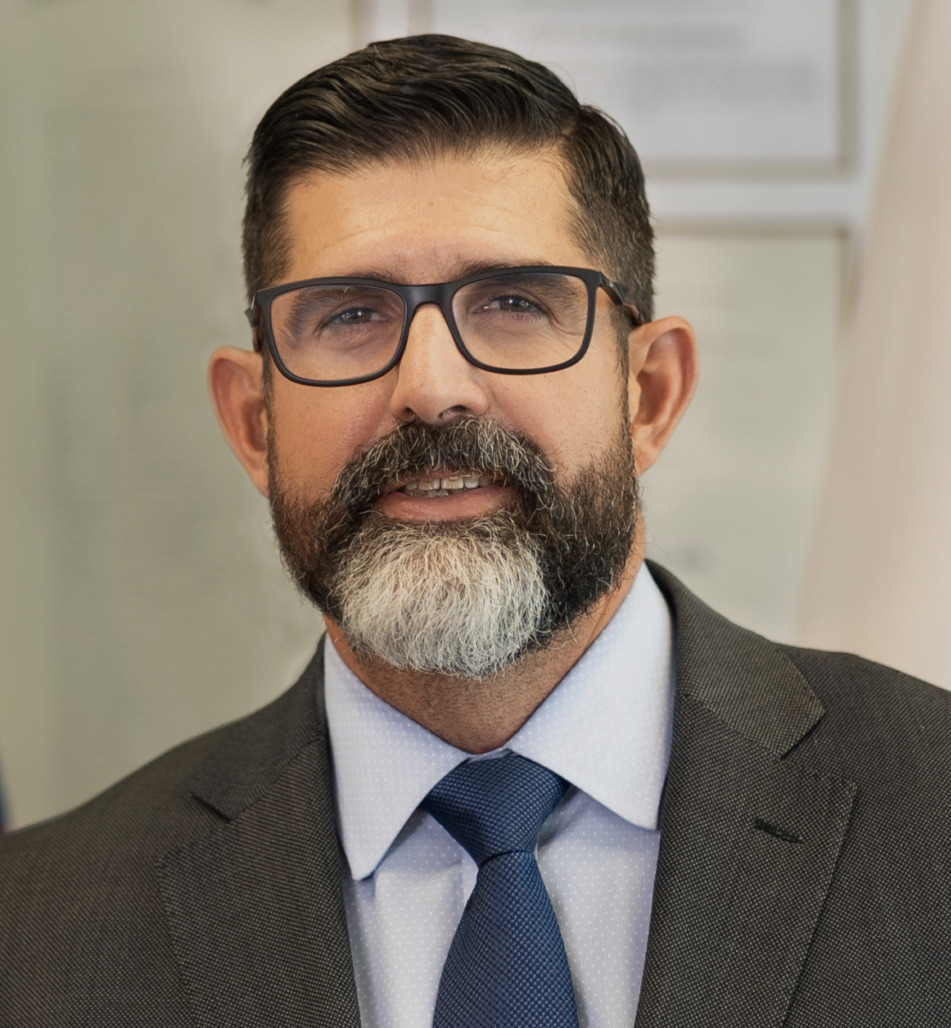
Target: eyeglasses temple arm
x=619, y=294
x=253, y=314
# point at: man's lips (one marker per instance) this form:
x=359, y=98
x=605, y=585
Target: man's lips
x=444, y=494
x=445, y=483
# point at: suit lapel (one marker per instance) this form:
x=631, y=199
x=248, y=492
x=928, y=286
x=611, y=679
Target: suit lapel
x=749, y=835
x=255, y=907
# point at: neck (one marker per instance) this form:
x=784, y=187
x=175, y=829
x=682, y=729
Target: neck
x=479, y=715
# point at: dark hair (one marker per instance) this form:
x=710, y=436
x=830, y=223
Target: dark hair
x=418, y=96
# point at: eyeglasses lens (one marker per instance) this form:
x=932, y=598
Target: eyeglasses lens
x=522, y=322
x=334, y=332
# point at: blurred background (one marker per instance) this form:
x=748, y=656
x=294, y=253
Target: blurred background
x=798, y=160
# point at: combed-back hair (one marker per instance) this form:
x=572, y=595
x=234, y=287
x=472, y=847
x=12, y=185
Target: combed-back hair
x=418, y=97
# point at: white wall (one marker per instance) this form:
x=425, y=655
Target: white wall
x=142, y=601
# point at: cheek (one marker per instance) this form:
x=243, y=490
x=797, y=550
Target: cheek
x=573, y=415
x=317, y=431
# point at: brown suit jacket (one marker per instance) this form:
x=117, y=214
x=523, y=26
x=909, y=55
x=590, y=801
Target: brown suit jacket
x=804, y=876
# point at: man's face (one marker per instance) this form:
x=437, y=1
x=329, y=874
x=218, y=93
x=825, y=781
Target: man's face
x=432, y=223
x=569, y=429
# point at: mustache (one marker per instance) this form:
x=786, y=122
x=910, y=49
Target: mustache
x=416, y=449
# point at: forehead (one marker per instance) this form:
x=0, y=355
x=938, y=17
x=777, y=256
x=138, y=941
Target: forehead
x=431, y=221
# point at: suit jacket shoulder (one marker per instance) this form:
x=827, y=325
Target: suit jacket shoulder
x=110, y=914
x=804, y=875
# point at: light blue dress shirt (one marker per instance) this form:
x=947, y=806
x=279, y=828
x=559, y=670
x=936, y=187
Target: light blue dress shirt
x=606, y=729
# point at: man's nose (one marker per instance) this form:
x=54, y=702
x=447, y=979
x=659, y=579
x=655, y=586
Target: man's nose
x=434, y=382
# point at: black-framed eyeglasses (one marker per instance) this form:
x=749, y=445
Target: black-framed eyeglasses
x=512, y=321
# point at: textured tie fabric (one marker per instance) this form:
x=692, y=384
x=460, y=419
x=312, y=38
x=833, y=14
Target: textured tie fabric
x=507, y=965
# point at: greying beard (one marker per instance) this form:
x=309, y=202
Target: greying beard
x=460, y=598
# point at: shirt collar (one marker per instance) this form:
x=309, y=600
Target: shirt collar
x=605, y=728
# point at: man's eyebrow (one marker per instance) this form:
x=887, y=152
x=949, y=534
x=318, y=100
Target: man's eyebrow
x=461, y=269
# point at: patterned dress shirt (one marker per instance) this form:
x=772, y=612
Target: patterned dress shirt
x=605, y=728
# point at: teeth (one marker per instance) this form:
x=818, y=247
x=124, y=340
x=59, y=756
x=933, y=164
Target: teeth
x=447, y=484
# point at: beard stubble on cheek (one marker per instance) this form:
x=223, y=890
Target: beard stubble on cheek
x=463, y=598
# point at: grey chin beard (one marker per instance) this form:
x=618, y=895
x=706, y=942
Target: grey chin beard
x=462, y=600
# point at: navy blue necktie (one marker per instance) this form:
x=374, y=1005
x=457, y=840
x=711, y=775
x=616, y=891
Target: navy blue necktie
x=507, y=966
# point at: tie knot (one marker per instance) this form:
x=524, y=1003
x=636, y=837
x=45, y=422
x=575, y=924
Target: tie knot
x=495, y=806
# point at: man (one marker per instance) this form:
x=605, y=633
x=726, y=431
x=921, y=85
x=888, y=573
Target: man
x=708, y=828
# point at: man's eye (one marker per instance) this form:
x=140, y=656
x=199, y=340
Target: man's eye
x=513, y=305
x=354, y=316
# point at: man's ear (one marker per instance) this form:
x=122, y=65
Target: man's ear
x=236, y=380
x=663, y=376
